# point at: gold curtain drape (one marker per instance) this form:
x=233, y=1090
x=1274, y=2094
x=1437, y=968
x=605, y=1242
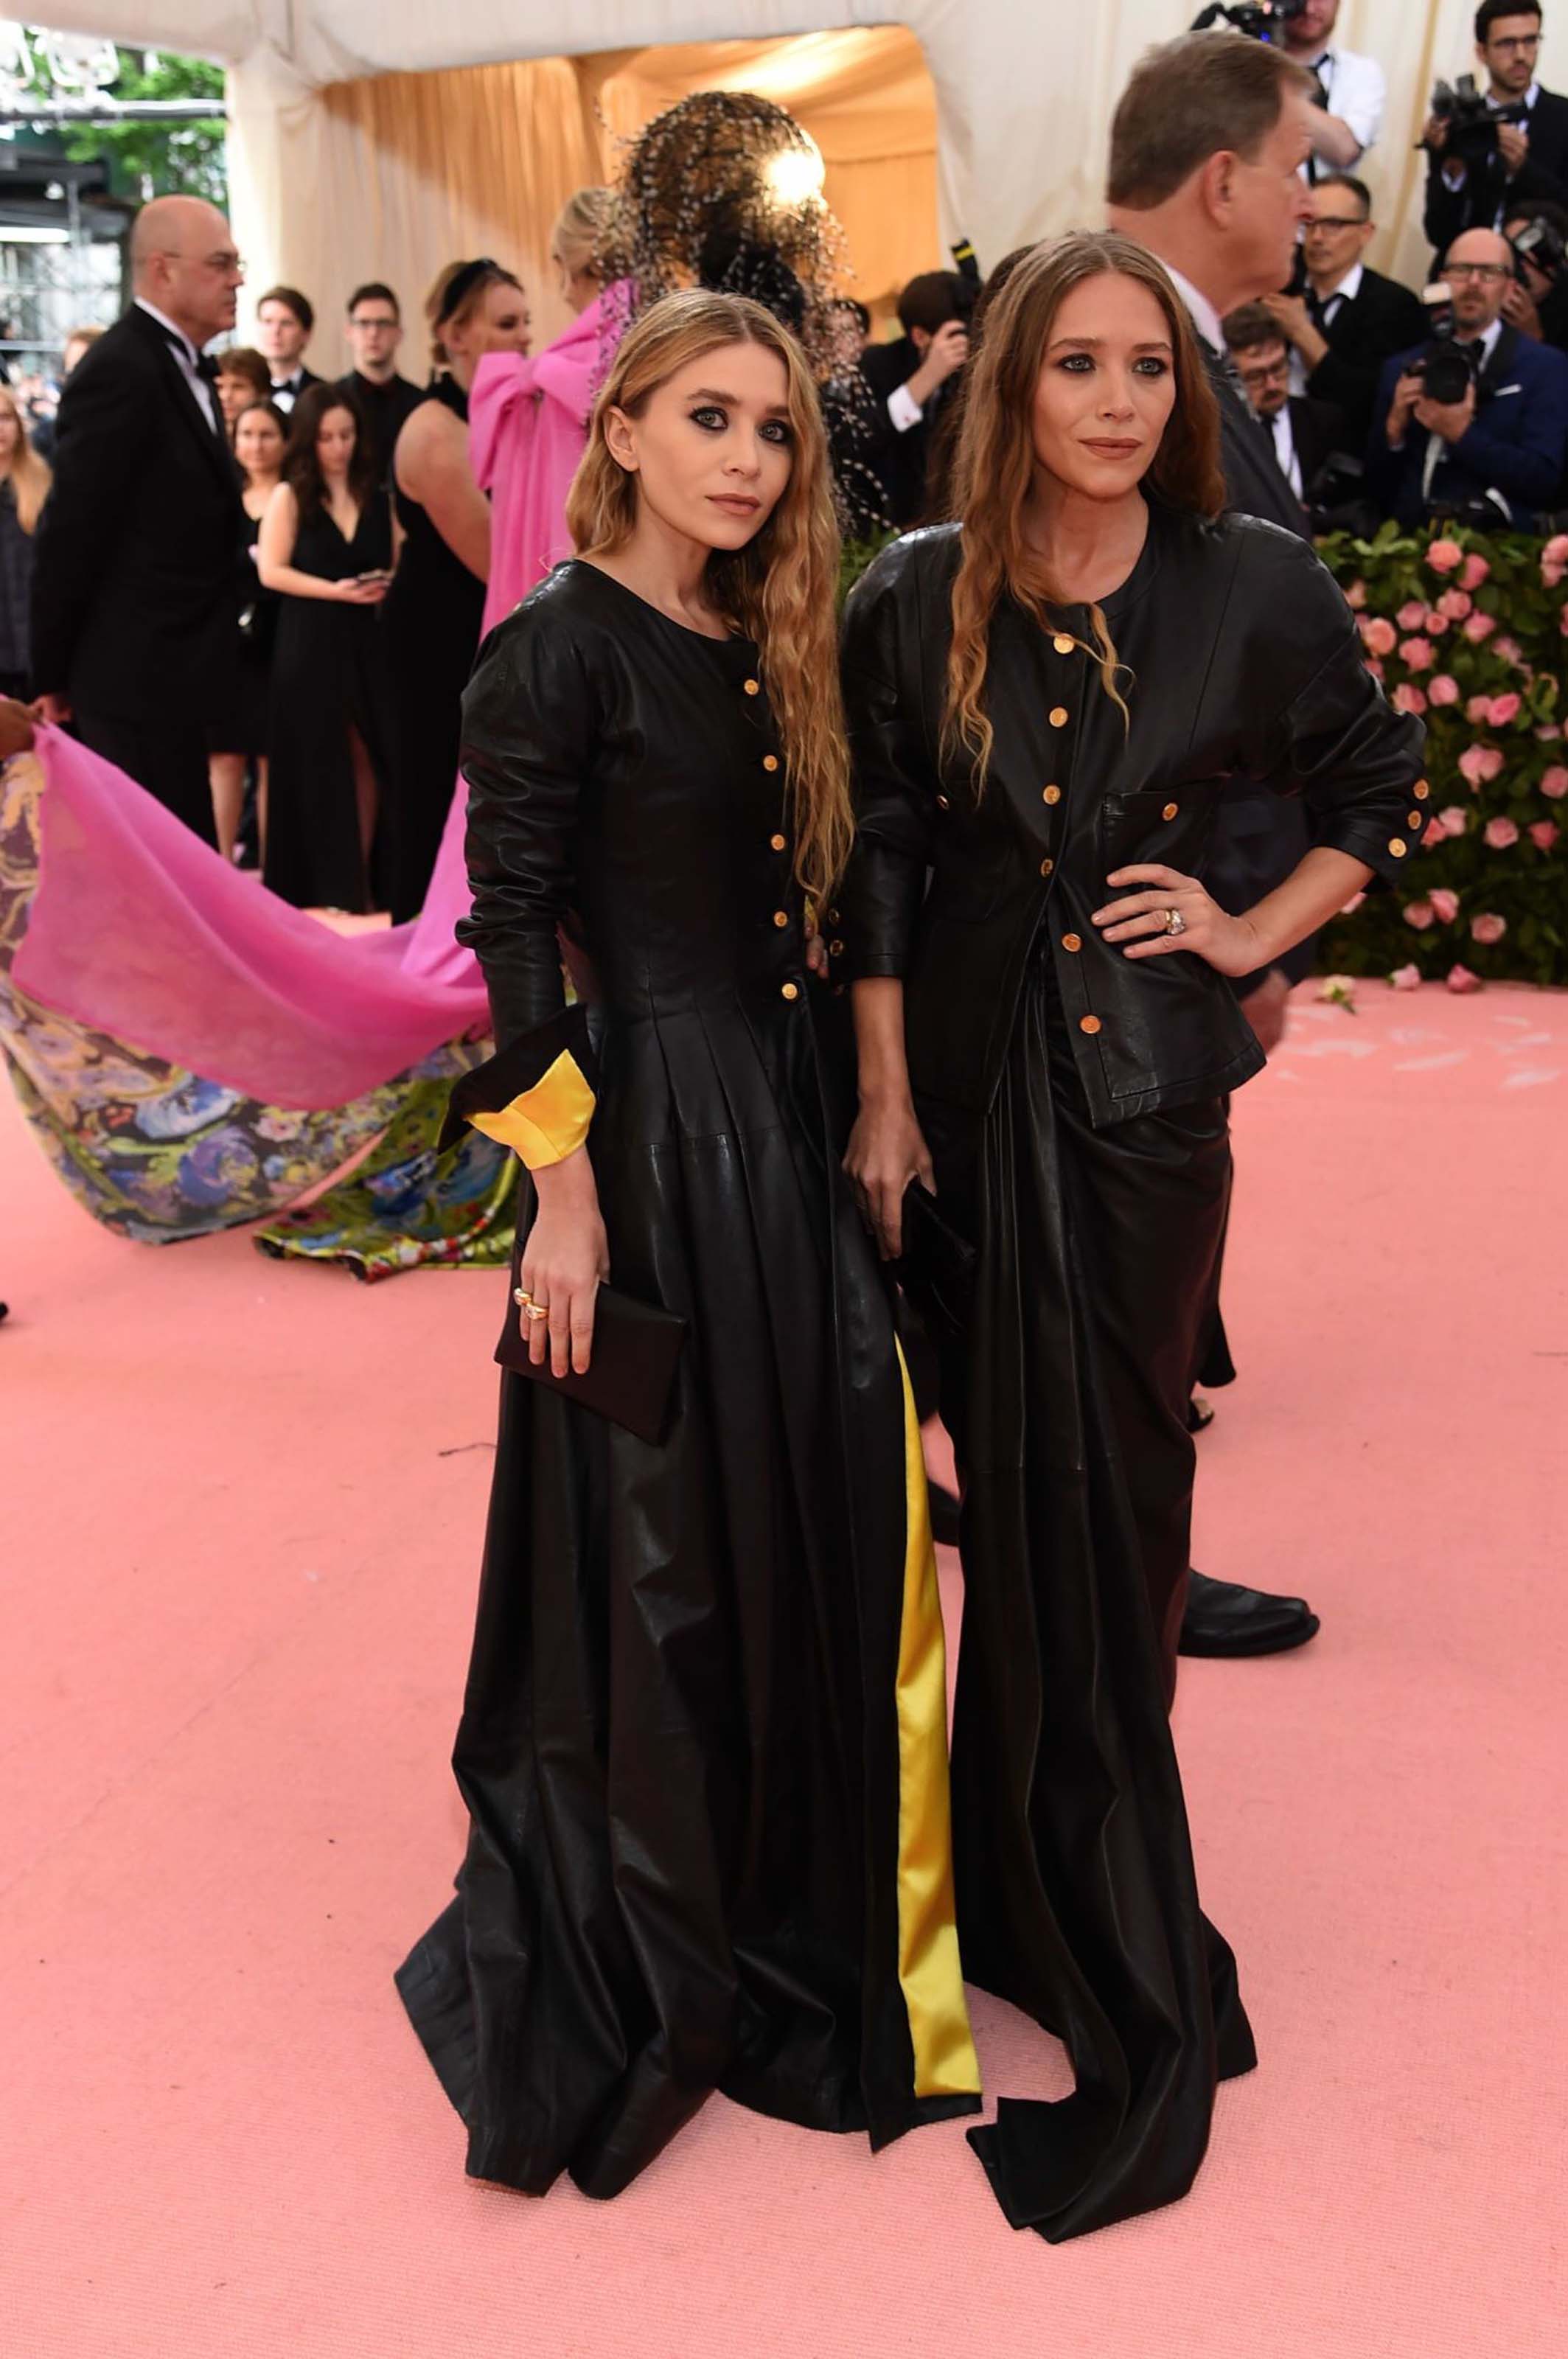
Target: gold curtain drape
x=479, y=159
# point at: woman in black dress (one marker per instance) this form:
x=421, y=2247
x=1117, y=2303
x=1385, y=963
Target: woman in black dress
x=326, y=549
x=437, y=603
x=703, y=1741
x=239, y=743
x=1045, y=699
x=24, y=487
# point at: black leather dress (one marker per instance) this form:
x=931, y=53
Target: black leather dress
x=703, y=1742
x=1073, y=1102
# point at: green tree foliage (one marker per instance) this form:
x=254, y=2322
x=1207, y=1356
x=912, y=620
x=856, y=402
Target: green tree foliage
x=155, y=160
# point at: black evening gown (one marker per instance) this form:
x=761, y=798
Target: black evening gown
x=328, y=677
x=431, y=621
x=703, y=1742
x=246, y=727
x=1074, y=1103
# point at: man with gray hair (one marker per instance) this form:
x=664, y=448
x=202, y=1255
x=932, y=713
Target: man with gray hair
x=135, y=579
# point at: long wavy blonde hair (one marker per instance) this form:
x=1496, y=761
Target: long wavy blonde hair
x=28, y=474
x=995, y=463
x=781, y=589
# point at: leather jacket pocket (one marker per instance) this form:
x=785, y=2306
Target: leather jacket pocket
x=1157, y=823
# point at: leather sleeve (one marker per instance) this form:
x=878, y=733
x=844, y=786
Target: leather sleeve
x=104, y=428
x=893, y=774
x=1318, y=724
x=527, y=747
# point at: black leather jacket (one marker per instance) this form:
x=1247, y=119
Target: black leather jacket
x=1244, y=659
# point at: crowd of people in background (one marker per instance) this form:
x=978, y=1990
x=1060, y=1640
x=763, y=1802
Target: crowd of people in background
x=362, y=534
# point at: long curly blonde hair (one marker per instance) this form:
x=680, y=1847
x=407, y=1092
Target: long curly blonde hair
x=996, y=461
x=781, y=589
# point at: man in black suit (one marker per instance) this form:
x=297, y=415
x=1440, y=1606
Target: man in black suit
x=375, y=332
x=1300, y=434
x=1206, y=148
x=136, y=572
x=285, y=322
x=908, y=380
x=1504, y=443
x=1351, y=319
x=1474, y=189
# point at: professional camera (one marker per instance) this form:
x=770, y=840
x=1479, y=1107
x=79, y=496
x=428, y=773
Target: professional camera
x=1445, y=366
x=1471, y=119
x=1543, y=248
x=1259, y=19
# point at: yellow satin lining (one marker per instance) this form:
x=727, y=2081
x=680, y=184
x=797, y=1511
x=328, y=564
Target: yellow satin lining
x=929, y=1969
x=547, y=1123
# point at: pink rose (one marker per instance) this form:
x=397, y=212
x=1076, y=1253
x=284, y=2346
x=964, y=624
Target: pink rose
x=1435, y=622
x=1444, y=555
x=1406, y=978
x=1379, y=635
x=1507, y=650
x=1443, y=689
x=1461, y=979
x=1500, y=834
x=1349, y=907
x=1543, y=834
x=1554, y=782
x=1417, y=655
x=1433, y=833
x=1419, y=914
x=1503, y=708
x=1476, y=568
x=1478, y=626
x=1549, y=732
x=1552, y=575
x=1455, y=819
x=1407, y=698
x=1556, y=549
x=1356, y=595
x=1455, y=604
x=1444, y=903
x=1412, y=614
x=1476, y=710
x=1480, y=763
x=1488, y=927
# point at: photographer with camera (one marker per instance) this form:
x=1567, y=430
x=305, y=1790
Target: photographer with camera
x=910, y=380
x=1474, y=424
x=1537, y=301
x=1491, y=152
x=1351, y=319
x=1301, y=433
x=1355, y=88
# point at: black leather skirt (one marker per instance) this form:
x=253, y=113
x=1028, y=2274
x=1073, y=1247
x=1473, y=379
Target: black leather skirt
x=1065, y=1392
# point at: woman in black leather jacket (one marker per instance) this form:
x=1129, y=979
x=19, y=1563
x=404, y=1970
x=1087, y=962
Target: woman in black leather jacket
x=703, y=1742
x=1045, y=700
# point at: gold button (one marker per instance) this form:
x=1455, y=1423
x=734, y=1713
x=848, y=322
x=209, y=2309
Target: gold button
x=770, y=761
x=1422, y=791
x=1170, y=810
x=1088, y=1024
x=942, y=803
x=780, y=843
x=836, y=950
x=789, y=990
x=1063, y=645
x=1051, y=794
x=1397, y=846
x=1412, y=819
x=1059, y=716
x=1046, y=866
x=780, y=917
x=1072, y=941
x=751, y=685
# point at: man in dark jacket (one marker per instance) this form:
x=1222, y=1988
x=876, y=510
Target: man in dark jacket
x=1351, y=319
x=1301, y=434
x=1504, y=442
x=1206, y=147
x=1472, y=185
x=375, y=332
x=908, y=380
x=136, y=577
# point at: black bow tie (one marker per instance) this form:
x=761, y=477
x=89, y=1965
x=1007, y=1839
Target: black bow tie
x=207, y=367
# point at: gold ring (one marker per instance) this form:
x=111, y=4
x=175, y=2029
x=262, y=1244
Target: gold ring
x=536, y=1311
x=521, y=1296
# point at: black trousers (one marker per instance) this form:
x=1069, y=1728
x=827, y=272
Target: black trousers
x=168, y=757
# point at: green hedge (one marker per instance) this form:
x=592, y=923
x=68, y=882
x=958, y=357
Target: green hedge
x=1468, y=630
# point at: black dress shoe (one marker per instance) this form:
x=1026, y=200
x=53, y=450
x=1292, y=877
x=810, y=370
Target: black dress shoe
x=943, y=1514
x=1200, y=1413
x=1223, y=1619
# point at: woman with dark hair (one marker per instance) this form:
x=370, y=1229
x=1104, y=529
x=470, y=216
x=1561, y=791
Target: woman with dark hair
x=435, y=606
x=326, y=549
x=259, y=432
x=1045, y=699
x=704, y=1739
x=24, y=488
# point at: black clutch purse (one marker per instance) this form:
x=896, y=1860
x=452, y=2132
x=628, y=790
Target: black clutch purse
x=632, y=1368
x=937, y=1258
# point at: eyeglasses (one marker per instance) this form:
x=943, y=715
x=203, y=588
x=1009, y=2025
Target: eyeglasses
x=1485, y=270
x=228, y=264
x=1524, y=43
x=1264, y=372
x=372, y=326
x=1335, y=221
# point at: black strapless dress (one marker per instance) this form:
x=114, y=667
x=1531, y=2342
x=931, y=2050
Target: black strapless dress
x=703, y=1740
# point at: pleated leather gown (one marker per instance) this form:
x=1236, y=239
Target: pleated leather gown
x=703, y=1741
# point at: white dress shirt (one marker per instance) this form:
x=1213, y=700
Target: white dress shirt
x=903, y=409
x=1357, y=90
x=1436, y=448
x=186, y=357
x=1285, y=446
x=1200, y=310
x=1454, y=174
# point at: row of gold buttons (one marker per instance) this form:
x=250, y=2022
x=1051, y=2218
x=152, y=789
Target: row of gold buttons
x=777, y=842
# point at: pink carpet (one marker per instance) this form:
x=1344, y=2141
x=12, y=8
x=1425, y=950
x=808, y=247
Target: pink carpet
x=242, y=1524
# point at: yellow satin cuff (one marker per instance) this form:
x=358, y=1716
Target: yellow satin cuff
x=928, y=1968
x=548, y=1123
